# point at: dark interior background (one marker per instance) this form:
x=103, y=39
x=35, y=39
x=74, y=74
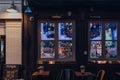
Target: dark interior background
x=81, y=10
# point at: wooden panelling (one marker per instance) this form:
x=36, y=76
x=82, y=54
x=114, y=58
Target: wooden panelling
x=13, y=42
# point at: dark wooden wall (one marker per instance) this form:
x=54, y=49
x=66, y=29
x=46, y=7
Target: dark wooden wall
x=81, y=14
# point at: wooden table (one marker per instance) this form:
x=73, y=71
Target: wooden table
x=44, y=73
x=117, y=73
x=78, y=74
x=117, y=76
x=37, y=75
x=83, y=74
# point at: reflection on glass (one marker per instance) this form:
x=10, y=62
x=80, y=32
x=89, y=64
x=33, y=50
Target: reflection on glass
x=65, y=49
x=110, y=31
x=2, y=46
x=95, y=31
x=47, y=31
x=96, y=49
x=65, y=31
x=111, y=49
x=47, y=49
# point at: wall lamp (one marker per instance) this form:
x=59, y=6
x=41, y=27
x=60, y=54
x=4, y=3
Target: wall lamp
x=12, y=8
x=27, y=7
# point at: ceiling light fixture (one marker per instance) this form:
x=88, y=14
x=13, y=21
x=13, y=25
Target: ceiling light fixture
x=12, y=8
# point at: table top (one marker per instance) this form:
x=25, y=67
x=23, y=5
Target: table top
x=38, y=73
x=118, y=73
x=79, y=74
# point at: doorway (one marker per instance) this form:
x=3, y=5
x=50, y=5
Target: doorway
x=2, y=54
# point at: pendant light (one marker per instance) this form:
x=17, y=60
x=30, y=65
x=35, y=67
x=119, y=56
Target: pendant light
x=12, y=8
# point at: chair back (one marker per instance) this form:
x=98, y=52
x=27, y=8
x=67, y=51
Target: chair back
x=69, y=74
x=66, y=74
x=100, y=75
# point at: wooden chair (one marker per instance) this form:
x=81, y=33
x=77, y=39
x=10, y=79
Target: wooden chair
x=66, y=74
x=100, y=75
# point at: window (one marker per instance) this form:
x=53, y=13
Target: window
x=56, y=40
x=103, y=41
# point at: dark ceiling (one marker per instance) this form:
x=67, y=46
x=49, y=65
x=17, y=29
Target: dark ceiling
x=38, y=3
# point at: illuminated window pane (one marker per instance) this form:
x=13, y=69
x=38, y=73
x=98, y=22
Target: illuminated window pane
x=111, y=49
x=110, y=31
x=65, y=31
x=47, y=49
x=47, y=31
x=96, y=49
x=65, y=49
x=95, y=31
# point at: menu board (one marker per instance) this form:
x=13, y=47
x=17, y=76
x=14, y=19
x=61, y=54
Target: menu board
x=11, y=71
